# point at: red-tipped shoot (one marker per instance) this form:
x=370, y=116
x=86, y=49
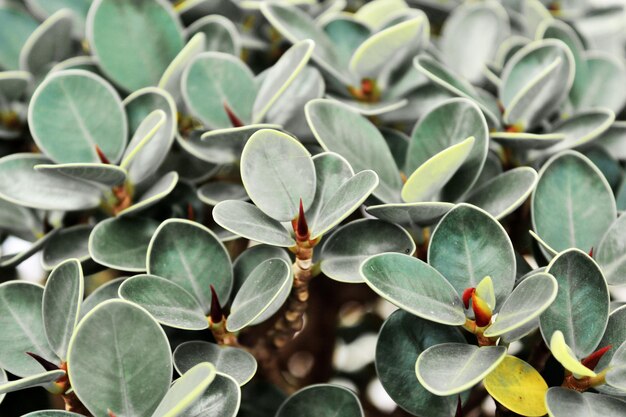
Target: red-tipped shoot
x=467, y=296
x=591, y=252
x=217, y=314
x=367, y=87
x=102, y=156
x=592, y=360
x=302, y=228
x=191, y=215
x=234, y=120
x=110, y=413
x=47, y=365
x=459, y=408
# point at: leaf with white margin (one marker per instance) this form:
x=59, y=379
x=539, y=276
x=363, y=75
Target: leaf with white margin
x=377, y=12
x=107, y=175
x=346, y=32
x=106, y=291
x=14, y=84
x=43, y=379
x=451, y=368
x=563, y=402
x=504, y=193
x=52, y=413
x=321, y=400
x=122, y=243
x=50, y=43
x=134, y=59
x=257, y=294
x=428, y=180
x=15, y=28
x=560, y=209
x=72, y=112
x=190, y=255
x=3, y=379
x=605, y=84
x=222, y=398
x=295, y=25
x=169, y=303
x=471, y=35
x=527, y=301
x=448, y=124
x=62, y=298
x=43, y=8
x=467, y=245
x=535, y=81
x=232, y=361
x=610, y=253
x=213, y=193
x=220, y=32
x=614, y=335
x=148, y=144
x=345, y=249
x=157, y=192
x=13, y=259
x=69, y=242
x=414, y=286
x=245, y=219
x=383, y=47
x=525, y=140
x=186, y=391
x=581, y=308
x=582, y=128
x=444, y=78
x=277, y=172
x=22, y=328
x=341, y=130
x=402, y=338
x=170, y=80
x=119, y=359
x=280, y=76
x=213, y=80
x=411, y=214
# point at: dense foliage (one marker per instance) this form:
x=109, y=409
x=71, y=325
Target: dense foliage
x=230, y=198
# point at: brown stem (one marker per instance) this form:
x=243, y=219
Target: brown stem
x=73, y=404
x=583, y=384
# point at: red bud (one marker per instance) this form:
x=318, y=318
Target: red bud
x=367, y=86
x=467, y=295
x=591, y=252
x=190, y=212
x=47, y=365
x=482, y=312
x=592, y=360
x=217, y=314
x=110, y=413
x=459, y=408
x=102, y=156
x=301, y=228
x=234, y=120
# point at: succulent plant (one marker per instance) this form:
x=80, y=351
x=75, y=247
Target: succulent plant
x=295, y=208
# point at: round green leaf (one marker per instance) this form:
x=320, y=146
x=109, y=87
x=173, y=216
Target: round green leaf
x=235, y=362
x=62, y=298
x=504, y=193
x=107, y=175
x=222, y=146
x=119, y=359
x=258, y=293
x=277, y=172
x=15, y=28
x=563, y=402
x=604, y=86
x=535, y=82
x=280, y=76
x=186, y=391
x=169, y=303
x=106, y=291
x=345, y=250
x=411, y=214
x=251, y=258
x=427, y=180
x=402, y=338
x=40, y=380
x=170, y=80
x=50, y=43
x=582, y=128
x=214, y=192
x=221, y=34
x=468, y=245
x=214, y=80
x=346, y=33
x=525, y=140
x=22, y=328
x=222, y=398
x=448, y=124
x=527, y=301
x=581, y=307
x=341, y=130
x=414, y=286
x=122, y=243
x=190, y=255
x=611, y=253
x=134, y=58
x=561, y=213
x=322, y=400
x=451, y=368
x=72, y=112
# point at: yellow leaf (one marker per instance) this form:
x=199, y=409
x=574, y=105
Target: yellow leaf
x=566, y=357
x=518, y=386
x=485, y=290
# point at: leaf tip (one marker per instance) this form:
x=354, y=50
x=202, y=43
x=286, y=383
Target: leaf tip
x=234, y=120
x=467, y=295
x=103, y=158
x=592, y=360
x=217, y=314
x=46, y=364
